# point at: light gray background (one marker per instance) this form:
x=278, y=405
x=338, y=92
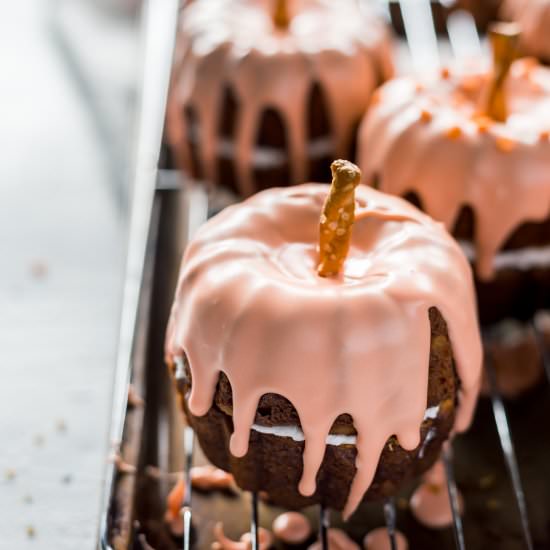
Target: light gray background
x=62, y=251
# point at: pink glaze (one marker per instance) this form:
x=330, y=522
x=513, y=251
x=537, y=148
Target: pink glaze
x=292, y=528
x=378, y=539
x=235, y=43
x=223, y=543
x=337, y=540
x=422, y=137
x=430, y=503
x=249, y=303
x=533, y=17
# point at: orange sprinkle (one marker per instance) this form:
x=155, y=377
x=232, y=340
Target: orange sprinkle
x=425, y=116
x=544, y=135
x=375, y=98
x=419, y=87
x=454, y=133
x=505, y=144
x=483, y=123
x=174, y=502
x=445, y=73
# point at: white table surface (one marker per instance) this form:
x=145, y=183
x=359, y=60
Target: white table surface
x=62, y=246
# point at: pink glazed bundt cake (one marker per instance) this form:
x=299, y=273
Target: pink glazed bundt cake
x=324, y=342
x=487, y=180
x=267, y=92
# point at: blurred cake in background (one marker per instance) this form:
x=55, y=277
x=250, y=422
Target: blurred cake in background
x=533, y=17
x=484, y=173
x=325, y=343
x=267, y=92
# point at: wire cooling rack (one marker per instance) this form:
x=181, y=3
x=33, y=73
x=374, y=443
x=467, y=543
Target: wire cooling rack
x=423, y=46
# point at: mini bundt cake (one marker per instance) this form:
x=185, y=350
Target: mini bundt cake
x=487, y=180
x=265, y=93
x=314, y=376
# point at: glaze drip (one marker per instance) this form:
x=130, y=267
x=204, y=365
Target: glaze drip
x=453, y=158
x=250, y=304
x=236, y=44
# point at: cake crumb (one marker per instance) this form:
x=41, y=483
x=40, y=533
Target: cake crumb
x=122, y=466
x=134, y=399
x=483, y=124
x=38, y=269
x=487, y=481
x=67, y=479
x=505, y=144
x=31, y=531
x=426, y=116
x=402, y=503
x=10, y=474
x=454, y=132
x=61, y=426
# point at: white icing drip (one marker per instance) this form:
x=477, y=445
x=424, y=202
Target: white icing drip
x=296, y=434
x=522, y=259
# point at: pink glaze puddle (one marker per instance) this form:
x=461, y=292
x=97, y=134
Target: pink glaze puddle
x=378, y=539
x=292, y=528
x=430, y=503
x=337, y=540
x=223, y=543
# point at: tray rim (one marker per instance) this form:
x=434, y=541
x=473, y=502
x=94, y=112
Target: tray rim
x=159, y=23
